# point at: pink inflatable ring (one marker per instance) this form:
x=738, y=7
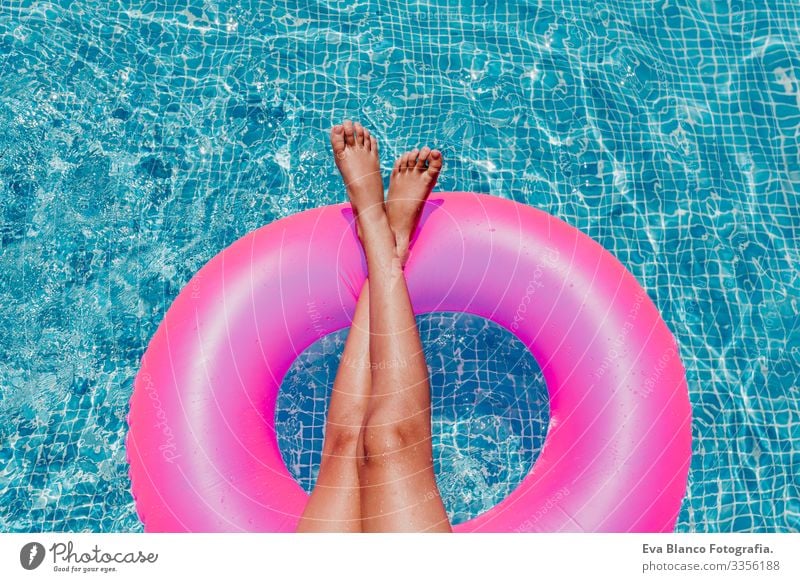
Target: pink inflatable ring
x=202, y=446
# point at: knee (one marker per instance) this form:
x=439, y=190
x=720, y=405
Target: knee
x=382, y=438
x=341, y=442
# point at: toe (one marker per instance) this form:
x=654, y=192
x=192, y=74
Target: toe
x=349, y=133
x=404, y=161
x=398, y=164
x=367, y=143
x=373, y=144
x=337, y=139
x=412, y=158
x=434, y=162
x=358, y=133
x=423, y=158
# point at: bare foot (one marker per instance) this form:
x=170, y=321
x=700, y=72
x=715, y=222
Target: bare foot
x=413, y=177
x=356, y=155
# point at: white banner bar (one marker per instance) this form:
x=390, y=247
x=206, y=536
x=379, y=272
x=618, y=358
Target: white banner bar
x=410, y=558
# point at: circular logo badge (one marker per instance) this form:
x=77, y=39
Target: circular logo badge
x=31, y=555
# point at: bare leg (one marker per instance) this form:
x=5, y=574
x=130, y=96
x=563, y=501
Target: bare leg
x=398, y=486
x=334, y=505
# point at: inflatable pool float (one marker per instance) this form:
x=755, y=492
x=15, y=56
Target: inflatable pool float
x=202, y=447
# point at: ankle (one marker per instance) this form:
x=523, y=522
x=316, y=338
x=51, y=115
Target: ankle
x=373, y=226
x=364, y=200
x=371, y=216
x=401, y=244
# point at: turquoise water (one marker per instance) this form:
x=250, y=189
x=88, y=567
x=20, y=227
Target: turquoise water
x=140, y=138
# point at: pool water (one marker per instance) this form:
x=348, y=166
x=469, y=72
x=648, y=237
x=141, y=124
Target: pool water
x=139, y=138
